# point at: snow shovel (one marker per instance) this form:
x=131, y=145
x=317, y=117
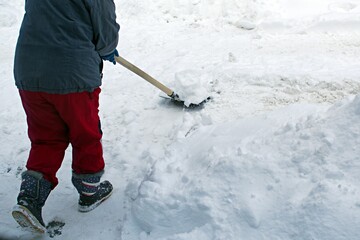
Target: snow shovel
x=170, y=93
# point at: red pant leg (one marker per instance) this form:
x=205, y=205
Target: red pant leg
x=80, y=112
x=48, y=134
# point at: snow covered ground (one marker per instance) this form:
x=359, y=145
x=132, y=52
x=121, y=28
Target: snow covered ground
x=273, y=155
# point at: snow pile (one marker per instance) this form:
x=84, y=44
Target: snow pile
x=249, y=14
x=325, y=15
x=192, y=86
x=196, y=10
x=271, y=177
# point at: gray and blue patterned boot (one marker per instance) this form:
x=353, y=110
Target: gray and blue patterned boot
x=92, y=191
x=34, y=191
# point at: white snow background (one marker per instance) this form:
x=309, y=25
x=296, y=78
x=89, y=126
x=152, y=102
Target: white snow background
x=274, y=155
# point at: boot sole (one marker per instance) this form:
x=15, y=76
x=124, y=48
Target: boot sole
x=26, y=220
x=93, y=206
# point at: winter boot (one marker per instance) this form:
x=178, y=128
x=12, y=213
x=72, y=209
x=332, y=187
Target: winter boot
x=92, y=191
x=34, y=191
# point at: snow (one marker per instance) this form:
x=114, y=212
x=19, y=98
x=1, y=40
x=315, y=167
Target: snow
x=273, y=155
x=192, y=86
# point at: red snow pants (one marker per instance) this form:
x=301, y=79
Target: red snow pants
x=57, y=120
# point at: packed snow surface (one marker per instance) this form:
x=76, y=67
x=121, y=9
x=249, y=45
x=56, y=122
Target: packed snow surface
x=273, y=155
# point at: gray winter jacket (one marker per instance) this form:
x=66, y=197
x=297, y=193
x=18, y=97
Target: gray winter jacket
x=60, y=44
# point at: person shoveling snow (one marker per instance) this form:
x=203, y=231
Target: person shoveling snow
x=58, y=68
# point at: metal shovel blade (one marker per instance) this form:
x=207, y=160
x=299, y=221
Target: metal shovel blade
x=178, y=101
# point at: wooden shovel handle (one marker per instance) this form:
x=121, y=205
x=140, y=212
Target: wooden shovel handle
x=144, y=75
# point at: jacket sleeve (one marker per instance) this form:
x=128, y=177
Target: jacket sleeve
x=105, y=27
